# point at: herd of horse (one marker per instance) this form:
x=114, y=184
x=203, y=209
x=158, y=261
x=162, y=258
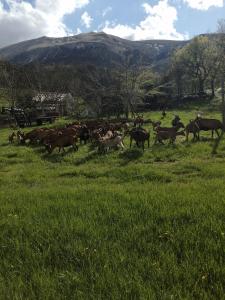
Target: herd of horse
x=105, y=135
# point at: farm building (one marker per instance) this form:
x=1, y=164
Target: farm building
x=59, y=103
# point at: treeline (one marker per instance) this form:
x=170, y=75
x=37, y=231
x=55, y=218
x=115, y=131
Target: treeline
x=199, y=67
x=106, y=91
x=196, y=69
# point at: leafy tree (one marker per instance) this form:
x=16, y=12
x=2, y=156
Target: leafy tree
x=221, y=50
x=221, y=69
x=24, y=98
x=178, y=64
x=194, y=64
x=212, y=63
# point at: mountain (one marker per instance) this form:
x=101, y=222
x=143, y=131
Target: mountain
x=99, y=49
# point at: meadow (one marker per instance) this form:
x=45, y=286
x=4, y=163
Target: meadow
x=123, y=225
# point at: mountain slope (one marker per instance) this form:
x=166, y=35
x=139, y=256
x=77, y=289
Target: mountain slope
x=99, y=49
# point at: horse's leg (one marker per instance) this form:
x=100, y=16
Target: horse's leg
x=122, y=145
x=217, y=132
x=187, y=136
x=194, y=137
x=161, y=142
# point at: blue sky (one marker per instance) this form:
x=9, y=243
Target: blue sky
x=132, y=19
x=190, y=20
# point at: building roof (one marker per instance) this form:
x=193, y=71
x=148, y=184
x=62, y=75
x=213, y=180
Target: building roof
x=51, y=97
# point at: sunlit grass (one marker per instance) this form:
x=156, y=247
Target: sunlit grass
x=125, y=225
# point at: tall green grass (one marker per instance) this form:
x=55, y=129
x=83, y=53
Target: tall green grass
x=125, y=225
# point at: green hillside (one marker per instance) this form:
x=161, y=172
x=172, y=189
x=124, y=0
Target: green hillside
x=125, y=225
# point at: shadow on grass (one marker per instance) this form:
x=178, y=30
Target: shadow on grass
x=202, y=140
x=166, y=146
x=12, y=155
x=40, y=151
x=165, y=153
x=93, y=153
x=91, y=156
x=207, y=139
x=131, y=155
x=189, y=142
x=54, y=157
x=6, y=144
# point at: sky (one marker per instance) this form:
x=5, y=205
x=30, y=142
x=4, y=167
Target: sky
x=131, y=19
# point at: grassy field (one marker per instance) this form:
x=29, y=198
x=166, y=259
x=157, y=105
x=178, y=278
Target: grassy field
x=125, y=225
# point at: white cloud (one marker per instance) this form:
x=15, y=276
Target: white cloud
x=78, y=31
x=86, y=19
x=22, y=21
x=204, y=4
x=59, y=7
x=106, y=11
x=158, y=24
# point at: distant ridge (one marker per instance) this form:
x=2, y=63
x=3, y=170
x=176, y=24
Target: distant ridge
x=99, y=49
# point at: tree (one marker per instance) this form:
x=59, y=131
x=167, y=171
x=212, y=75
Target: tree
x=195, y=64
x=177, y=70
x=129, y=85
x=212, y=64
x=197, y=54
x=221, y=52
x=25, y=98
x=10, y=76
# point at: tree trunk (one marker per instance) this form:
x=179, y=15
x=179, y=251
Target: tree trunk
x=193, y=88
x=179, y=89
x=127, y=106
x=201, y=86
x=127, y=111
x=212, y=88
x=217, y=142
x=223, y=99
